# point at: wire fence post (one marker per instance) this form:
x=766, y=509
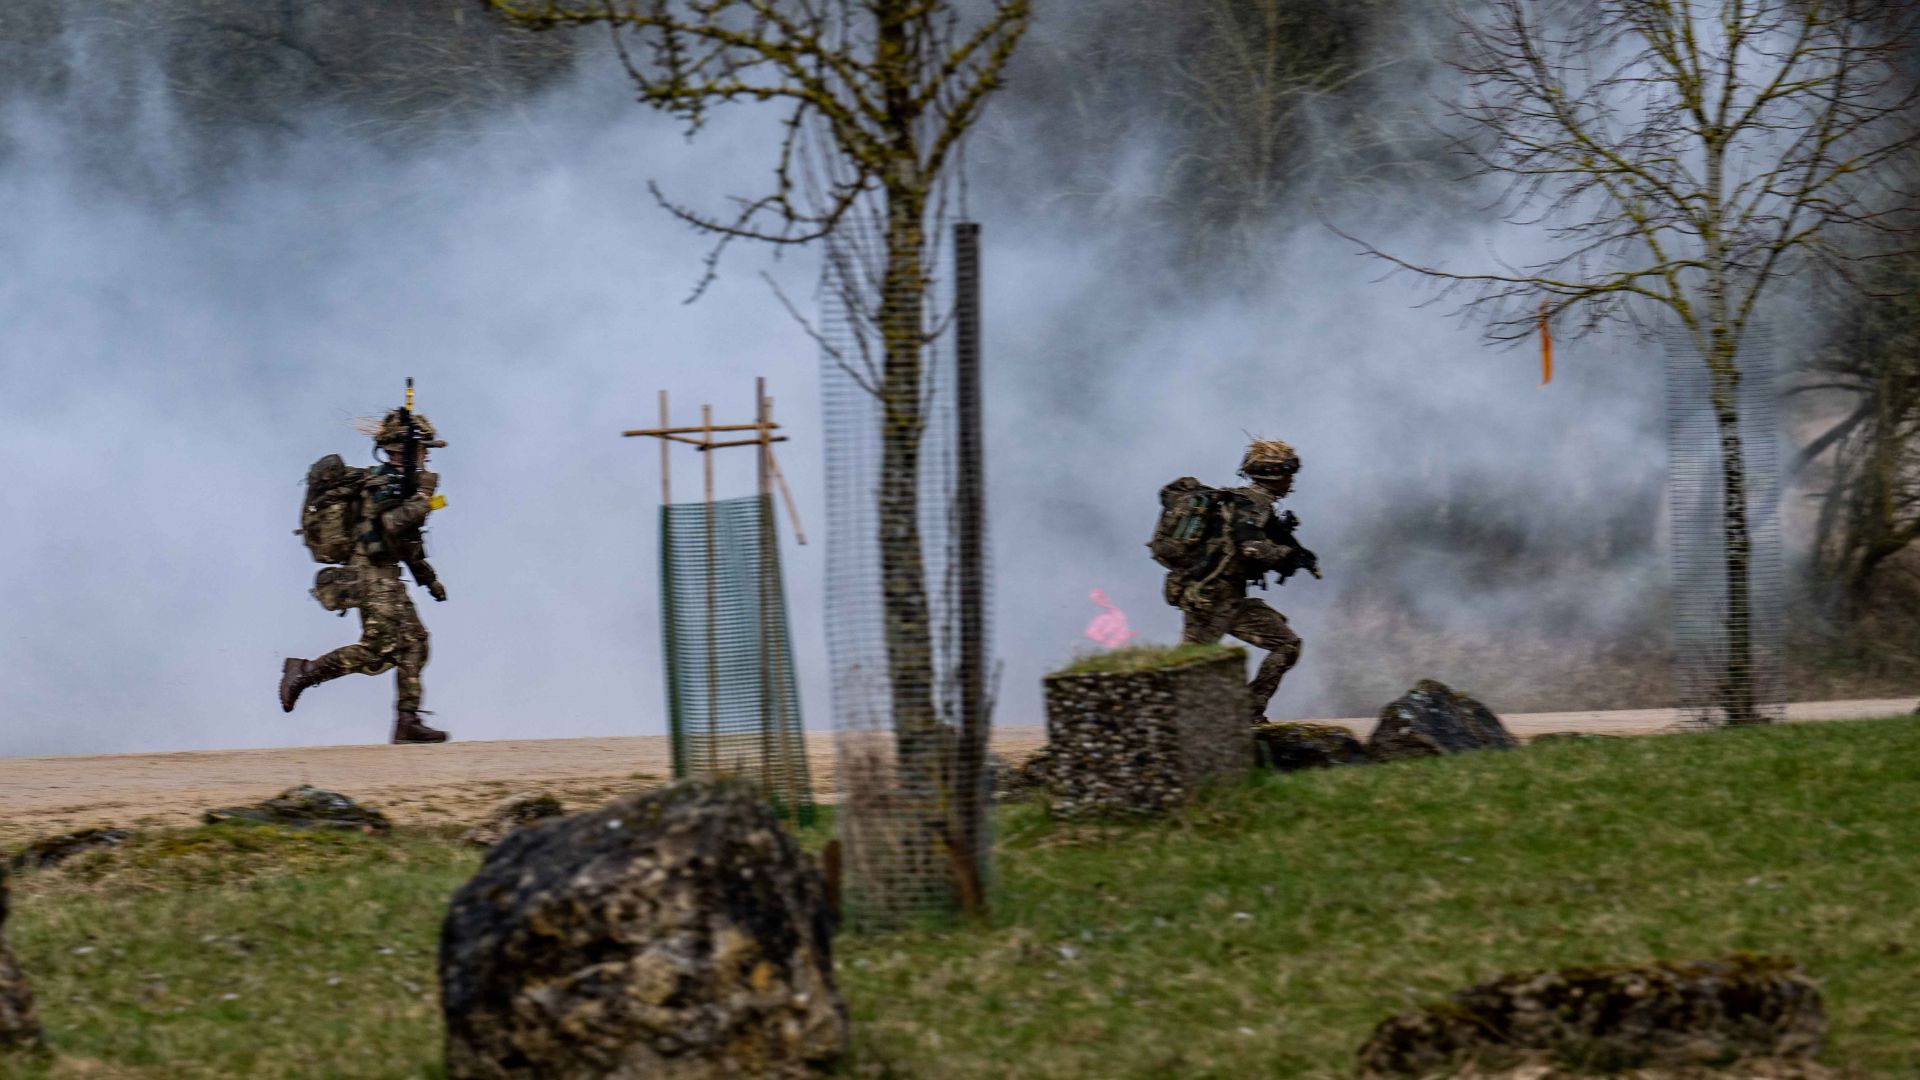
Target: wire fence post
x=907, y=609
x=1715, y=685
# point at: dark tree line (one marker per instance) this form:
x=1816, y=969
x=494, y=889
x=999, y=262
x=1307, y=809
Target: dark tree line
x=228, y=77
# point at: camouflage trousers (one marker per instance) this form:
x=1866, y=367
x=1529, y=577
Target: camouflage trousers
x=1252, y=621
x=392, y=637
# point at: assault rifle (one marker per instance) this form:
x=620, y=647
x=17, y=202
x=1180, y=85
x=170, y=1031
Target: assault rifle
x=411, y=546
x=1302, y=558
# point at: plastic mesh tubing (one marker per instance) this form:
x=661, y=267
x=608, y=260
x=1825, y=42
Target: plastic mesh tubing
x=732, y=700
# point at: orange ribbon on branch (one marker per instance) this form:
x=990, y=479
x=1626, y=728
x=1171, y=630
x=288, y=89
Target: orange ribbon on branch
x=1546, y=346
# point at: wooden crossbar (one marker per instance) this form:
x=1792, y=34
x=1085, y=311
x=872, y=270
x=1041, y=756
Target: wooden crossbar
x=700, y=437
x=661, y=432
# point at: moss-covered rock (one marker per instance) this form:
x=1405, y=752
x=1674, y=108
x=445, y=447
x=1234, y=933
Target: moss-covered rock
x=304, y=807
x=1291, y=746
x=54, y=850
x=515, y=812
x=679, y=933
x=1552, y=737
x=1029, y=777
x=1697, y=1013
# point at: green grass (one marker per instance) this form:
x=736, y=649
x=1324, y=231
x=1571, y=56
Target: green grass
x=1261, y=934
x=1139, y=658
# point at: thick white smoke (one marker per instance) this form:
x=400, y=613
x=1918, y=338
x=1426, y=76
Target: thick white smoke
x=171, y=366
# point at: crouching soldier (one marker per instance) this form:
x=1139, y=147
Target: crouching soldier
x=1215, y=542
x=369, y=522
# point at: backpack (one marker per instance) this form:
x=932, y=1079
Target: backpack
x=1190, y=526
x=331, y=509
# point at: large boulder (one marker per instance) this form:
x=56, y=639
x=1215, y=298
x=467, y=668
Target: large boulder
x=19, y=1023
x=1671, y=1015
x=304, y=807
x=1292, y=746
x=513, y=814
x=678, y=934
x=1432, y=719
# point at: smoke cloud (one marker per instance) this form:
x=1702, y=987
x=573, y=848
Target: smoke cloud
x=172, y=362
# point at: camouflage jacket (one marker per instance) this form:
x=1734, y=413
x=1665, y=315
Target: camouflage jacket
x=396, y=536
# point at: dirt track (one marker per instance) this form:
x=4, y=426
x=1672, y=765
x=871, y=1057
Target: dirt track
x=457, y=781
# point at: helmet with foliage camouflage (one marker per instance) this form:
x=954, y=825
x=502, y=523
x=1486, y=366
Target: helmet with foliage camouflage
x=1269, y=459
x=393, y=430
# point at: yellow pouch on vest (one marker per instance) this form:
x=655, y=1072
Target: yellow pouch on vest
x=437, y=502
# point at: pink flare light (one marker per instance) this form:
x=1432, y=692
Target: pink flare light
x=1109, y=628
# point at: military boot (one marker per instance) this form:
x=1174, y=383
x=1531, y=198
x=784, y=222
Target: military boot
x=407, y=728
x=296, y=675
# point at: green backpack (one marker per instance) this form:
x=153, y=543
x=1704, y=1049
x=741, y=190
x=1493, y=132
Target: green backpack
x=332, y=509
x=1190, y=525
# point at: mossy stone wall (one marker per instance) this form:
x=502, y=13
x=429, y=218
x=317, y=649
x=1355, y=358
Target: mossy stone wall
x=1143, y=741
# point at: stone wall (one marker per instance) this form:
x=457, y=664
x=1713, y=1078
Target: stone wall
x=1141, y=742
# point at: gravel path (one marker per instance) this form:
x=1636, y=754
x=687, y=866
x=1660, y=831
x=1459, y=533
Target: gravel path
x=458, y=780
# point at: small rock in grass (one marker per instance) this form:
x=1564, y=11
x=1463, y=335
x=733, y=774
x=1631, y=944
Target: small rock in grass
x=19, y=1022
x=1290, y=746
x=1032, y=775
x=516, y=812
x=304, y=807
x=1568, y=737
x=53, y=850
x=1664, y=1015
x=1432, y=719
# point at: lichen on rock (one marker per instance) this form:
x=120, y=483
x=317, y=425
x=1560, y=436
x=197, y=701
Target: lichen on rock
x=514, y=813
x=1662, y=1015
x=679, y=933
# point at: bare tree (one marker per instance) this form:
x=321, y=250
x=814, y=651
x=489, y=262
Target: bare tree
x=1268, y=95
x=1869, y=452
x=879, y=97
x=1247, y=103
x=1685, y=158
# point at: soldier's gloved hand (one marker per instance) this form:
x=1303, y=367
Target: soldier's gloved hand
x=437, y=591
x=1265, y=551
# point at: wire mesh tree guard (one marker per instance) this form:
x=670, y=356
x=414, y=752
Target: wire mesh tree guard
x=907, y=612
x=733, y=704
x=1729, y=653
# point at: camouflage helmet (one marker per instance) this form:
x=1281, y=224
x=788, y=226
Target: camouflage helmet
x=393, y=430
x=1269, y=459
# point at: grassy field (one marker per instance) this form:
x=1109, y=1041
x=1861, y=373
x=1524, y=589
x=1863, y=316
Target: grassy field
x=1262, y=934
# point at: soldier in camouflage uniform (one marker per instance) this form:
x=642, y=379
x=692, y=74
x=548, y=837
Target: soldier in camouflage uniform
x=387, y=536
x=1238, y=540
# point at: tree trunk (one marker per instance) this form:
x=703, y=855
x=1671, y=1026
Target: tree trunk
x=1736, y=692
x=921, y=740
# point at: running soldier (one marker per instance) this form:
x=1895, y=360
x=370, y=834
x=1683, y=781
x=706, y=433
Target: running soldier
x=369, y=522
x=1215, y=542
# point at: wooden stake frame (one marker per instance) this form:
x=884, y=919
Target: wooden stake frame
x=701, y=438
